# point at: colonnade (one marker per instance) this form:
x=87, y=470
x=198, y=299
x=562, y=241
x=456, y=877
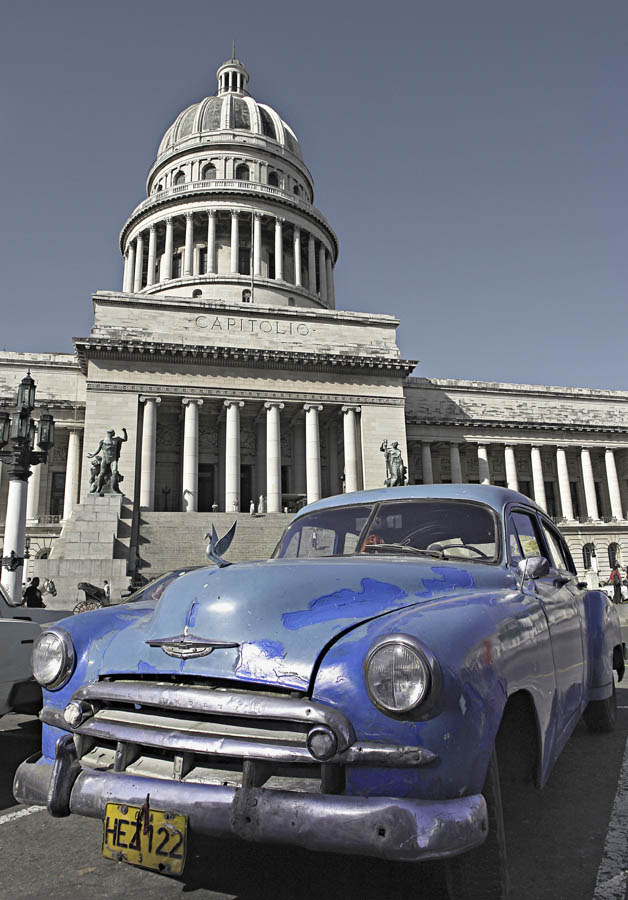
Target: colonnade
x=72, y=477
x=538, y=475
x=158, y=271
x=307, y=451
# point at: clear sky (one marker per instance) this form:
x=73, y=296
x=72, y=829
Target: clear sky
x=471, y=156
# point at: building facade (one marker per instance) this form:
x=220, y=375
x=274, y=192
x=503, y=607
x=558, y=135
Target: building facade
x=235, y=377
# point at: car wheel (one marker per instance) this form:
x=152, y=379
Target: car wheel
x=482, y=874
x=86, y=606
x=601, y=715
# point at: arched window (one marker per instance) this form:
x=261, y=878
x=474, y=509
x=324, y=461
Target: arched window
x=197, y=293
x=614, y=555
x=209, y=172
x=588, y=556
x=246, y=296
x=296, y=190
x=273, y=179
x=179, y=178
x=242, y=173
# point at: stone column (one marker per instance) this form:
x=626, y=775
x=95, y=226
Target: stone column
x=563, y=483
x=232, y=454
x=322, y=273
x=537, y=477
x=512, y=481
x=350, y=445
x=222, y=443
x=152, y=251
x=312, y=451
x=14, y=534
x=139, y=263
x=72, y=474
x=149, y=452
x=331, y=290
x=426, y=460
x=311, y=264
x=273, y=456
x=454, y=460
x=484, y=471
x=188, y=256
x=278, y=250
x=32, y=494
x=129, y=266
x=613, y=483
x=167, y=257
x=257, y=244
x=328, y=279
x=297, y=256
x=260, y=455
x=189, y=496
x=211, y=242
x=235, y=242
x=298, y=424
x=332, y=456
x=589, y=484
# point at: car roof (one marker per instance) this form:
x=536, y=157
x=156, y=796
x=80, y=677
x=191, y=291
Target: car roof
x=495, y=497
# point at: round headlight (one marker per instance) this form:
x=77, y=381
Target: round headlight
x=53, y=659
x=397, y=676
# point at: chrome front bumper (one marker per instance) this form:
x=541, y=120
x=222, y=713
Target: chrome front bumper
x=386, y=827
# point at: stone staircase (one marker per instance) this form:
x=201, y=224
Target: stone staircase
x=168, y=540
x=93, y=545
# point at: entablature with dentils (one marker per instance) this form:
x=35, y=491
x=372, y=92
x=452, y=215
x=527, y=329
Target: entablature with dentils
x=238, y=356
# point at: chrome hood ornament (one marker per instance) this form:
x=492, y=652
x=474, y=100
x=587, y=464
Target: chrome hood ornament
x=188, y=646
x=216, y=546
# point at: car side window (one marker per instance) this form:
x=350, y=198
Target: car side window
x=556, y=548
x=523, y=536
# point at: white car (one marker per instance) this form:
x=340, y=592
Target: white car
x=19, y=628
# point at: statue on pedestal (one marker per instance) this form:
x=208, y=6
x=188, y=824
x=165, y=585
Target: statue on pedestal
x=104, y=467
x=395, y=469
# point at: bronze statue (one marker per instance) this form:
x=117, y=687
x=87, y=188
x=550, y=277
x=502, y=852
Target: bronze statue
x=395, y=468
x=106, y=472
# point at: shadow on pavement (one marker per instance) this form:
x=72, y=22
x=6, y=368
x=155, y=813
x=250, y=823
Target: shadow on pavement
x=20, y=736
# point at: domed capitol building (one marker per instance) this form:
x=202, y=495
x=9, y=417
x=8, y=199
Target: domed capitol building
x=237, y=380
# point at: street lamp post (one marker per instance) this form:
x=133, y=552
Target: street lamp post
x=18, y=430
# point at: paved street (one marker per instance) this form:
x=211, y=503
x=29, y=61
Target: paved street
x=556, y=844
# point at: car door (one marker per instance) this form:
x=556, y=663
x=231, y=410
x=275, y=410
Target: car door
x=561, y=601
x=564, y=604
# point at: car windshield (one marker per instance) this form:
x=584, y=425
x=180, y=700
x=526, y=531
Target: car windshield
x=441, y=529
x=154, y=589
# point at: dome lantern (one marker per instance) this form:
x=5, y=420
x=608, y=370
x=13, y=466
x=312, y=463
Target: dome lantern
x=232, y=76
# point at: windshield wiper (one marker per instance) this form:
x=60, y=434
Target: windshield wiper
x=368, y=548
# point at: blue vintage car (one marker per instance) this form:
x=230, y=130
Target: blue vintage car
x=357, y=693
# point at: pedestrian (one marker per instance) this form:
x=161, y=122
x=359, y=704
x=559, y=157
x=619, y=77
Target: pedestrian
x=25, y=588
x=32, y=595
x=107, y=590
x=616, y=579
x=252, y=508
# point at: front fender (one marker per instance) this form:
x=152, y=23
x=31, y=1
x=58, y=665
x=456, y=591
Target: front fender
x=470, y=638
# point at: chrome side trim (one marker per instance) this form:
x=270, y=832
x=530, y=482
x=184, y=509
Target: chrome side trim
x=397, y=828
x=220, y=702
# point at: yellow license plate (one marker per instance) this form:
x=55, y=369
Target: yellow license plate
x=159, y=844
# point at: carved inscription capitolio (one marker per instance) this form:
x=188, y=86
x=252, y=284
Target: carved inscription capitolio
x=235, y=324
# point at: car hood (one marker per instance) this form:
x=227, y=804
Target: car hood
x=279, y=614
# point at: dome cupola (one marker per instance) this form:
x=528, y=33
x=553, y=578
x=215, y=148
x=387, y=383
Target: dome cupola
x=229, y=212
x=232, y=76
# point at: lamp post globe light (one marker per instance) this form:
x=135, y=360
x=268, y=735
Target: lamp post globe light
x=18, y=436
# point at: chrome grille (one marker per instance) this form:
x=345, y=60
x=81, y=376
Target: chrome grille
x=207, y=734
